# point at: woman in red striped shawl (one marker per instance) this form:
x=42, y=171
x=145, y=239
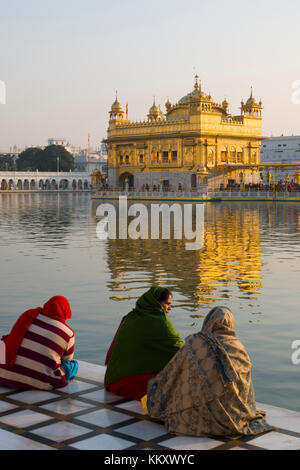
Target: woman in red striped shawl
x=40, y=348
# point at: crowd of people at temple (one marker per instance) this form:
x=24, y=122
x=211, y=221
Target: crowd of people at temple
x=280, y=186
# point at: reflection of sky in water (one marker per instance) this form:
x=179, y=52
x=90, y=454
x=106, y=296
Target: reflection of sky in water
x=250, y=262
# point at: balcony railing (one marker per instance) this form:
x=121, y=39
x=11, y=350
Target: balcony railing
x=203, y=194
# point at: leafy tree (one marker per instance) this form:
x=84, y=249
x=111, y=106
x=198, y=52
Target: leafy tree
x=29, y=159
x=7, y=163
x=55, y=156
x=49, y=159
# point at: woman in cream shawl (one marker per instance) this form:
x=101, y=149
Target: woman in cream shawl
x=206, y=388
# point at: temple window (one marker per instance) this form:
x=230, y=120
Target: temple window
x=223, y=156
x=174, y=156
x=165, y=157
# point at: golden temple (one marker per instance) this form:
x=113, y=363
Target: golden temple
x=178, y=149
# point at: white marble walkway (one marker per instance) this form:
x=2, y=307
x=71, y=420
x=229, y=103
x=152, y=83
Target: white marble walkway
x=84, y=416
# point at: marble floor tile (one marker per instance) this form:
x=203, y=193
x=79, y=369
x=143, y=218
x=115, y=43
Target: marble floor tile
x=33, y=396
x=61, y=431
x=115, y=415
x=191, y=443
x=90, y=371
x=289, y=423
x=145, y=430
x=66, y=406
x=102, y=396
x=103, y=442
x=9, y=441
x=276, y=441
x=24, y=418
x=104, y=418
x=282, y=418
x=275, y=411
x=133, y=405
x=76, y=386
x=5, y=389
x=4, y=406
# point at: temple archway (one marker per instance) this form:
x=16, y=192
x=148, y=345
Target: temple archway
x=126, y=178
x=63, y=184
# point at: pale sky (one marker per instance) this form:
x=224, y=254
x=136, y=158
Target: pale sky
x=63, y=60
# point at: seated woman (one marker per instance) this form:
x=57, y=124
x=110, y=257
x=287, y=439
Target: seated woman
x=40, y=348
x=206, y=389
x=144, y=343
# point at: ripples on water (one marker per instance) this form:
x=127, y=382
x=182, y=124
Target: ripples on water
x=250, y=262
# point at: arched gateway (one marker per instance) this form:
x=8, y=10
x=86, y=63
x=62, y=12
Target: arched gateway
x=126, y=178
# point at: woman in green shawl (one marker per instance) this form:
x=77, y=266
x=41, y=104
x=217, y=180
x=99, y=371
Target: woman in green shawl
x=144, y=343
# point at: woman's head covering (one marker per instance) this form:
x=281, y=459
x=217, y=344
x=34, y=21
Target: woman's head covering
x=148, y=302
x=219, y=320
x=219, y=323
x=57, y=308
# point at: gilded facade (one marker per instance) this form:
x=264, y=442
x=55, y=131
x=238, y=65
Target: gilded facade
x=193, y=139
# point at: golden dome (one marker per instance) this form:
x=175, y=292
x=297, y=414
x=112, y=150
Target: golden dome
x=116, y=111
x=251, y=101
x=116, y=107
x=154, y=112
x=196, y=94
x=168, y=104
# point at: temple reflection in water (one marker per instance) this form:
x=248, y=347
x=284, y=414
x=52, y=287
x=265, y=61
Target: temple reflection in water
x=227, y=266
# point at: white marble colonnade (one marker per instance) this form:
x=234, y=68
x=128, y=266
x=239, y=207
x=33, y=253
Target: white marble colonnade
x=34, y=180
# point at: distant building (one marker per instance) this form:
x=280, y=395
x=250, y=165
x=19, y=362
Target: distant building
x=59, y=141
x=281, y=149
x=91, y=163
